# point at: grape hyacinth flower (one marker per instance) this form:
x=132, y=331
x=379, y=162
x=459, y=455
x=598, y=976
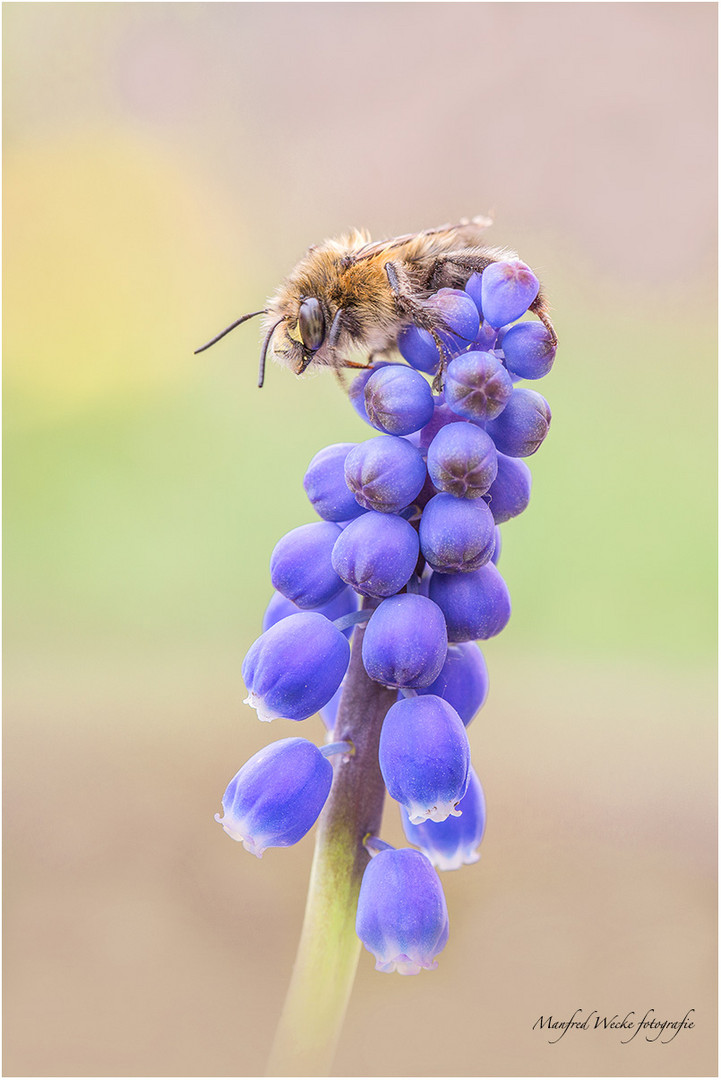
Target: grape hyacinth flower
x=402, y=915
x=452, y=843
x=277, y=796
x=295, y=667
x=424, y=757
x=379, y=607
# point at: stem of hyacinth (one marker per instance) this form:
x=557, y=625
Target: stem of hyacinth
x=328, y=952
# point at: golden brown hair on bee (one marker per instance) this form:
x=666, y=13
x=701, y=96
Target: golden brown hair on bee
x=351, y=295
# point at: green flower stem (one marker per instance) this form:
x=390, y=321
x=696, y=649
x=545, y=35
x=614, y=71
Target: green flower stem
x=328, y=952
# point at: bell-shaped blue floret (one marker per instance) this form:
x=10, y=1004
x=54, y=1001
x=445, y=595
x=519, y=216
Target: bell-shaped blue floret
x=295, y=667
x=376, y=553
x=325, y=485
x=459, y=313
x=529, y=350
x=462, y=460
x=477, y=386
x=463, y=681
x=300, y=566
x=405, y=642
x=510, y=492
x=456, y=535
x=398, y=400
x=419, y=349
x=356, y=390
x=277, y=796
x=280, y=607
x=476, y=606
x=385, y=473
x=424, y=757
x=402, y=915
x=452, y=843
x=507, y=291
x=523, y=424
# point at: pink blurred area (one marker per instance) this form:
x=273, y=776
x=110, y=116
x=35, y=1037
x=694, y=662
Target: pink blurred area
x=165, y=164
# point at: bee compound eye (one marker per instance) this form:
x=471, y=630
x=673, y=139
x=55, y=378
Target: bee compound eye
x=311, y=323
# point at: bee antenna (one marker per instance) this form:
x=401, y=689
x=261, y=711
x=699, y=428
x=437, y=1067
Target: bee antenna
x=264, y=350
x=242, y=319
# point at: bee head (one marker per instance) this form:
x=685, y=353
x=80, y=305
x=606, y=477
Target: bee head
x=306, y=334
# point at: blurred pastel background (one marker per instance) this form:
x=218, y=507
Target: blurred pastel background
x=165, y=166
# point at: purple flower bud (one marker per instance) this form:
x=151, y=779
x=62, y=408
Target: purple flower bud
x=325, y=485
x=398, y=400
x=510, y=492
x=402, y=915
x=405, y=642
x=385, y=473
x=476, y=606
x=357, y=389
x=477, y=386
x=424, y=757
x=529, y=350
x=458, y=312
x=300, y=566
x=376, y=554
x=523, y=424
x=507, y=291
x=452, y=843
x=442, y=416
x=280, y=607
x=418, y=348
x=486, y=339
x=277, y=796
x=463, y=681
x=462, y=460
x=456, y=535
x=473, y=288
x=295, y=667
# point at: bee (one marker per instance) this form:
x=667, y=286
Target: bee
x=351, y=294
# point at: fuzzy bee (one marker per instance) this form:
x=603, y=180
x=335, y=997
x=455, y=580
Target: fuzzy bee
x=352, y=295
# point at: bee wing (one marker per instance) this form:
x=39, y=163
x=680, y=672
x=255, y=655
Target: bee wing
x=369, y=250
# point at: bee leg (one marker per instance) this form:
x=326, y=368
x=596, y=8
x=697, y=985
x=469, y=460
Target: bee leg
x=539, y=308
x=454, y=269
x=442, y=365
x=406, y=303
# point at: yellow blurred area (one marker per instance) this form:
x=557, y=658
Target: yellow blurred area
x=99, y=233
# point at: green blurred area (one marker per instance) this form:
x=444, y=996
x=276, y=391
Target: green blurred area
x=151, y=511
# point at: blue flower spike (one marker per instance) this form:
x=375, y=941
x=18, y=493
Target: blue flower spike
x=402, y=917
x=424, y=757
x=403, y=563
x=452, y=843
x=277, y=796
x=295, y=667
